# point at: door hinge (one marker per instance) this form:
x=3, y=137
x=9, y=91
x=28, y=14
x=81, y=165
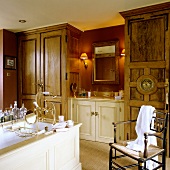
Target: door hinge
x=66, y=38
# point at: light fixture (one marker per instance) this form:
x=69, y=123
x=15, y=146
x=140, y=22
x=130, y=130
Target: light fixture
x=84, y=57
x=123, y=52
x=22, y=21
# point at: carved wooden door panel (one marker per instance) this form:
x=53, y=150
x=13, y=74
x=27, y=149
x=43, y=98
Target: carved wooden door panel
x=29, y=69
x=146, y=63
x=51, y=50
x=53, y=67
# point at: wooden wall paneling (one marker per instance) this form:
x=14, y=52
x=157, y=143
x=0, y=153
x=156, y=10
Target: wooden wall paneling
x=101, y=35
x=9, y=43
x=73, y=53
x=74, y=78
x=73, y=57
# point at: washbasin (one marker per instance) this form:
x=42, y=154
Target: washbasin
x=22, y=129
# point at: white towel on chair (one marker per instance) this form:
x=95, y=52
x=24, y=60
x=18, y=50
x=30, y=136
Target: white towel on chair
x=142, y=126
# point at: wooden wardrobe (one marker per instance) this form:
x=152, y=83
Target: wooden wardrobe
x=147, y=45
x=47, y=56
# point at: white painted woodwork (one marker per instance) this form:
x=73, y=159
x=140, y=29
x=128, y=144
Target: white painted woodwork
x=96, y=116
x=82, y=112
x=57, y=151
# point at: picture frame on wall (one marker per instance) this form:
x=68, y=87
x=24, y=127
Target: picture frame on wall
x=10, y=62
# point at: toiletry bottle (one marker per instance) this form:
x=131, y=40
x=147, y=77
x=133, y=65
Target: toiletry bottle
x=1, y=116
x=6, y=116
x=23, y=111
x=15, y=111
x=11, y=114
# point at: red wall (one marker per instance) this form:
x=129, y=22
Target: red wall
x=8, y=77
x=100, y=35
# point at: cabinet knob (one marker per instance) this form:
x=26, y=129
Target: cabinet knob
x=92, y=113
x=96, y=114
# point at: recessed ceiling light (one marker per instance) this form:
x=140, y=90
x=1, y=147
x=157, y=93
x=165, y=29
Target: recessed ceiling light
x=22, y=21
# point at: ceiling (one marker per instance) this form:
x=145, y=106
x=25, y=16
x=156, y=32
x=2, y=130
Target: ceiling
x=83, y=14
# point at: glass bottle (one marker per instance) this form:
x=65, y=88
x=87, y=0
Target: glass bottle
x=1, y=116
x=23, y=111
x=6, y=115
x=11, y=115
x=15, y=111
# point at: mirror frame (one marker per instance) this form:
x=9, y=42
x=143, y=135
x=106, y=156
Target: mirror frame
x=116, y=57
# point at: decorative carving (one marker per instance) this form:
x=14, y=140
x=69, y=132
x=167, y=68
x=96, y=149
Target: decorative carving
x=147, y=84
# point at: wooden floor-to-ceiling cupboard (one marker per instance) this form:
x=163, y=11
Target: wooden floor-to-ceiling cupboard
x=47, y=57
x=147, y=44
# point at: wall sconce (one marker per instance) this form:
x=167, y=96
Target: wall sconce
x=84, y=57
x=123, y=52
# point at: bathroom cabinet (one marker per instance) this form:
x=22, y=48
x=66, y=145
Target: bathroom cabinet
x=96, y=117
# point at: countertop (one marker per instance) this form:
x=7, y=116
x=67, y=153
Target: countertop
x=93, y=98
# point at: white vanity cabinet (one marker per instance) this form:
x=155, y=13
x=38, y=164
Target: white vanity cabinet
x=96, y=117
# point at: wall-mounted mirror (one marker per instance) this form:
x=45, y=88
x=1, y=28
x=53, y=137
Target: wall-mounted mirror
x=106, y=62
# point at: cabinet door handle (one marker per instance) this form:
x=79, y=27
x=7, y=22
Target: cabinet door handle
x=92, y=113
x=96, y=114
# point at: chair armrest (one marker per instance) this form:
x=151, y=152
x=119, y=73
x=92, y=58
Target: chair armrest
x=123, y=122
x=118, y=123
x=156, y=134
